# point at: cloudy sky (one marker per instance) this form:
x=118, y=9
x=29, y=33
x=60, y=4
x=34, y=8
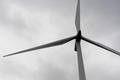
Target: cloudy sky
x=28, y=23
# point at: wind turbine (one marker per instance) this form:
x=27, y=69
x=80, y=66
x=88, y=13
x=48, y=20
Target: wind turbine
x=77, y=39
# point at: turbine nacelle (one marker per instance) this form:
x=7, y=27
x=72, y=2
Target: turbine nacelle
x=78, y=39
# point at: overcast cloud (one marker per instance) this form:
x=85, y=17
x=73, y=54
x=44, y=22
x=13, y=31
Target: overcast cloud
x=28, y=23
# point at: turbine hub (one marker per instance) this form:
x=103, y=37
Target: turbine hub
x=78, y=38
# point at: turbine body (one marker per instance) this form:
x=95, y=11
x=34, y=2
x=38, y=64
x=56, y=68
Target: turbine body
x=77, y=38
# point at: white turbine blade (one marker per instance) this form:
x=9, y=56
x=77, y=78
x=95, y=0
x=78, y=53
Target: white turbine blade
x=77, y=18
x=55, y=43
x=80, y=62
x=101, y=45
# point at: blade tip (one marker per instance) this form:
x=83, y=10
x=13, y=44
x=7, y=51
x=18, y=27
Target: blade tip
x=5, y=56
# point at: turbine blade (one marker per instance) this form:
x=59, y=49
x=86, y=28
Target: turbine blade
x=80, y=62
x=75, y=48
x=77, y=18
x=55, y=43
x=101, y=45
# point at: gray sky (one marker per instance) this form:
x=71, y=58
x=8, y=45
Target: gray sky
x=28, y=23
